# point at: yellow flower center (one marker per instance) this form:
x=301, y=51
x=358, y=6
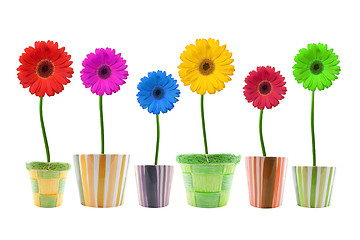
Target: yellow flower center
x=206, y=67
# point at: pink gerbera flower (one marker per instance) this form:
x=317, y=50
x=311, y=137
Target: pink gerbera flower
x=104, y=71
x=264, y=87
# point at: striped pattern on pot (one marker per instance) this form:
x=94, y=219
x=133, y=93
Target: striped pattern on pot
x=101, y=179
x=154, y=184
x=266, y=180
x=208, y=185
x=313, y=185
x=48, y=187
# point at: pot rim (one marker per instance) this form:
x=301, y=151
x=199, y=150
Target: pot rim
x=147, y=165
x=238, y=157
x=207, y=164
x=43, y=170
x=315, y=166
x=96, y=154
x=265, y=157
x=45, y=166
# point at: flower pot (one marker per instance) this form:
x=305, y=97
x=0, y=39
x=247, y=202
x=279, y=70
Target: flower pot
x=48, y=187
x=101, y=179
x=154, y=184
x=266, y=180
x=313, y=185
x=208, y=184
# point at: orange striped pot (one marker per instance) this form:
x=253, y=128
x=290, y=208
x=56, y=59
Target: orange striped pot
x=101, y=179
x=48, y=187
x=266, y=180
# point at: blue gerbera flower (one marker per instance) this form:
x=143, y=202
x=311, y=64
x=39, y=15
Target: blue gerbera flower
x=158, y=92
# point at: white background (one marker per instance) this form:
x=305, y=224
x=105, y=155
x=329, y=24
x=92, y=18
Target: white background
x=151, y=35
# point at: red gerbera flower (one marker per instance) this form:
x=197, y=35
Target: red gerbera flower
x=45, y=68
x=264, y=87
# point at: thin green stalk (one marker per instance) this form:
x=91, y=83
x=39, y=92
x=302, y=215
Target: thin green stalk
x=203, y=123
x=102, y=125
x=313, y=128
x=157, y=139
x=43, y=131
x=261, y=134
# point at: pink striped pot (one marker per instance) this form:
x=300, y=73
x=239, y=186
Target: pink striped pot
x=101, y=179
x=154, y=184
x=266, y=180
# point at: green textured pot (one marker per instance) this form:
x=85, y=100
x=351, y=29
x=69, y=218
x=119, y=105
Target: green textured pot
x=208, y=178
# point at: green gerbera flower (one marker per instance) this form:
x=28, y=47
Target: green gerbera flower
x=316, y=66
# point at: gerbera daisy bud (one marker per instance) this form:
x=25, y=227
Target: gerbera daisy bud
x=264, y=87
x=45, y=68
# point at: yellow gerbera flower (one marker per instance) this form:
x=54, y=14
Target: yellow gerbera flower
x=206, y=66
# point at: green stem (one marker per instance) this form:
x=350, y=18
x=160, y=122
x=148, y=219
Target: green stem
x=313, y=129
x=261, y=134
x=101, y=125
x=203, y=123
x=43, y=131
x=157, y=139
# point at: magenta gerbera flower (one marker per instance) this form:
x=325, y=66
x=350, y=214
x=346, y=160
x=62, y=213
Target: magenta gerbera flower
x=104, y=71
x=264, y=87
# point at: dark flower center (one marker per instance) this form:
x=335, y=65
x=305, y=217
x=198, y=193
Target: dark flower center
x=158, y=92
x=206, y=67
x=104, y=71
x=264, y=87
x=45, y=69
x=316, y=67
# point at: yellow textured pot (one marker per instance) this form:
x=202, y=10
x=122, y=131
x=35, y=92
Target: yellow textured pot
x=48, y=187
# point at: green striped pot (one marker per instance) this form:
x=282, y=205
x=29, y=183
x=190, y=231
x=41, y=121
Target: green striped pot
x=208, y=185
x=313, y=185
